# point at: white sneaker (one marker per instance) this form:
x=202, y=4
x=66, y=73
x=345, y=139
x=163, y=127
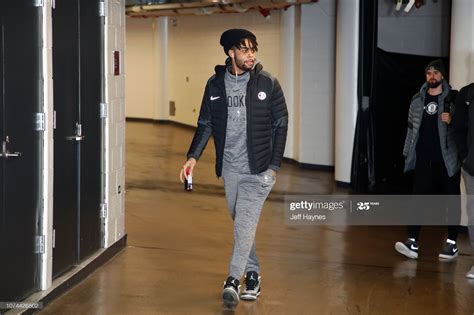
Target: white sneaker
x=449, y=252
x=409, y=248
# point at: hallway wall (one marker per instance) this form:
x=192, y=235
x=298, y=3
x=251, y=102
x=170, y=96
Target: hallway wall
x=169, y=59
x=140, y=60
x=190, y=54
x=194, y=51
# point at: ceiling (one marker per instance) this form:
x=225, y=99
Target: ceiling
x=148, y=8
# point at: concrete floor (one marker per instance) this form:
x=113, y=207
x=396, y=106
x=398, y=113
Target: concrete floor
x=179, y=245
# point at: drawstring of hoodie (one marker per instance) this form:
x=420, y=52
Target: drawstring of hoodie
x=233, y=69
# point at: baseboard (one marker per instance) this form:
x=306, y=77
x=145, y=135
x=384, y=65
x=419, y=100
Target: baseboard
x=161, y=122
x=343, y=184
x=317, y=167
x=71, y=278
x=143, y=120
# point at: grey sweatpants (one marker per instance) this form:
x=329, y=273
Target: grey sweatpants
x=469, y=183
x=245, y=194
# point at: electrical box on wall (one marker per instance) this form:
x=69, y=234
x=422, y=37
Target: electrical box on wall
x=172, y=108
x=116, y=63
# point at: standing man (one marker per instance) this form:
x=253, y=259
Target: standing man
x=430, y=150
x=463, y=123
x=244, y=109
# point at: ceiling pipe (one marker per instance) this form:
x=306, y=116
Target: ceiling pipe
x=207, y=7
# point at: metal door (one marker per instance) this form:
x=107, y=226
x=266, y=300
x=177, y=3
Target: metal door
x=91, y=154
x=20, y=147
x=77, y=95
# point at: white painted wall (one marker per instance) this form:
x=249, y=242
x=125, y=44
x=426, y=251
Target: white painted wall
x=423, y=31
x=316, y=88
x=115, y=122
x=141, y=63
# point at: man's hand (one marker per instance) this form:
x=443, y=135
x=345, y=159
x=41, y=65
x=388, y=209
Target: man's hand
x=188, y=165
x=446, y=118
x=274, y=174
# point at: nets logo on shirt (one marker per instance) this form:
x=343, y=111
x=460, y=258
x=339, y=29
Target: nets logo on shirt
x=431, y=108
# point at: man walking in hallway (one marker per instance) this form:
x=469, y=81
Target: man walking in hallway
x=244, y=109
x=430, y=150
x=463, y=123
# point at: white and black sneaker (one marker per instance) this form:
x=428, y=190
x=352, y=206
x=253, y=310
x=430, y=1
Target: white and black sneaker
x=409, y=248
x=450, y=250
x=230, y=294
x=252, y=286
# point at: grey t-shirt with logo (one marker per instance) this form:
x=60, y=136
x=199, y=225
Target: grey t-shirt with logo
x=235, y=151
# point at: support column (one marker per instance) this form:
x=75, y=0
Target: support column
x=161, y=105
x=347, y=52
x=318, y=43
x=462, y=43
x=288, y=76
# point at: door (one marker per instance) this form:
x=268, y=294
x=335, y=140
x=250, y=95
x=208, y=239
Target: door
x=20, y=147
x=77, y=96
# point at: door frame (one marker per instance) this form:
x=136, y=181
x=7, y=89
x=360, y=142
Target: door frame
x=46, y=221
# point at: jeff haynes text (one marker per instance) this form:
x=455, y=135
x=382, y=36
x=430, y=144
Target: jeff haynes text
x=307, y=217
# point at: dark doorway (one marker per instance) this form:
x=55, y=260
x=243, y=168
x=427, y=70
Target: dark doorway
x=392, y=60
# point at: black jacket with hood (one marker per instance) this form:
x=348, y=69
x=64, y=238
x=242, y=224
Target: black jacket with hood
x=463, y=123
x=267, y=120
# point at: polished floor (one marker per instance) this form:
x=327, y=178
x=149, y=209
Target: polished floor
x=179, y=244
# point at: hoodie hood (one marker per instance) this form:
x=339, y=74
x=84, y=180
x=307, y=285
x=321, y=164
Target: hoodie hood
x=444, y=83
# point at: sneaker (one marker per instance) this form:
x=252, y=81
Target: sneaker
x=409, y=248
x=449, y=252
x=470, y=273
x=252, y=286
x=230, y=294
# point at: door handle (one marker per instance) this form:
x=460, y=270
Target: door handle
x=75, y=138
x=78, y=136
x=5, y=153
x=10, y=155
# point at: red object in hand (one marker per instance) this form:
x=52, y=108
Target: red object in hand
x=188, y=181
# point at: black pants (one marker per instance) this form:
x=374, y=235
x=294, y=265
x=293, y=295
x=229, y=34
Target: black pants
x=431, y=177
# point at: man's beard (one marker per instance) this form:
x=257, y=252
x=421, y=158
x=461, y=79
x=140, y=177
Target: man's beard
x=433, y=84
x=242, y=66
